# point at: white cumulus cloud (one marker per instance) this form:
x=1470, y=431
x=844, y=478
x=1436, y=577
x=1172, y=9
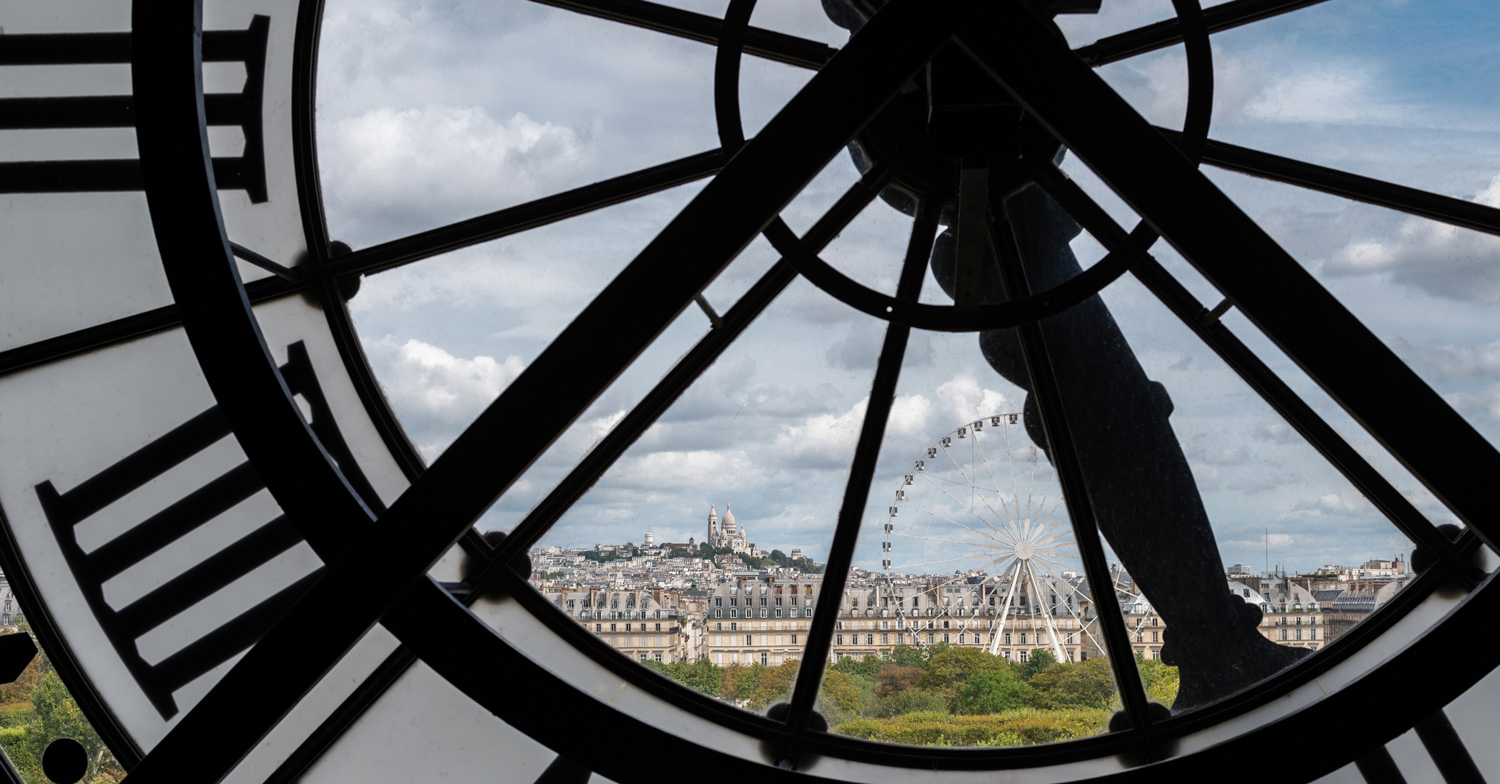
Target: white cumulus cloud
x=445, y=162
x=1439, y=258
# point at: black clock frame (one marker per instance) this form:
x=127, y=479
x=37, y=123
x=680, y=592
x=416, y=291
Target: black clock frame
x=215, y=309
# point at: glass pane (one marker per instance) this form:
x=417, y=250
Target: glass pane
x=445, y=336
x=1404, y=92
x=715, y=524
x=407, y=143
x=968, y=620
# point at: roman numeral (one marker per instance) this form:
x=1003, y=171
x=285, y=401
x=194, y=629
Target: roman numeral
x=91, y=570
x=246, y=172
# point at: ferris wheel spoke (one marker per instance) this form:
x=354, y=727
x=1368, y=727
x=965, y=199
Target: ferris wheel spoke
x=977, y=516
x=1084, y=627
x=984, y=459
x=985, y=534
x=944, y=561
x=971, y=486
x=988, y=545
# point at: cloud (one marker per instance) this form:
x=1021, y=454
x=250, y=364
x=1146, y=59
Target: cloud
x=966, y=400
x=446, y=162
x=1438, y=258
x=860, y=349
x=1276, y=432
x=1450, y=361
x=437, y=393
x=1469, y=403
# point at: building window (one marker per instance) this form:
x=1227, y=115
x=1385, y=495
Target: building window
x=764, y=659
x=929, y=638
x=611, y=627
x=1299, y=634
x=762, y=612
x=869, y=639
x=658, y=655
x=838, y=624
x=747, y=640
x=718, y=613
x=1156, y=636
x=658, y=627
x=794, y=639
x=778, y=609
x=734, y=613
x=734, y=627
x=1283, y=634
x=1154, y=622
x=1023, y=640
x=885, y=639
x=1022, y=655
x=627, y=627
x=946, y=637
x=962, y=638
x=1007, y=638
x=838, y=639
x=598, y=627
x=1006, y=654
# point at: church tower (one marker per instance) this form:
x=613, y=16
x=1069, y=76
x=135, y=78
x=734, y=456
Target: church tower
x=713, y=526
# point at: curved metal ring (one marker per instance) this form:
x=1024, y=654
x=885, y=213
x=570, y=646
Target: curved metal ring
x=948, y=318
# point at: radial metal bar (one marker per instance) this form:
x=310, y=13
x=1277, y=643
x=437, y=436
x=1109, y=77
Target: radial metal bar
x=1253, y=371
x=1468, y=214
x=857, y=491
x=684, y=373
x=337, y=611
x=122, y=329
x=760, y=42
x=1282, y=298
x=530, y=215
x=1168, y=32
x=1064, y=456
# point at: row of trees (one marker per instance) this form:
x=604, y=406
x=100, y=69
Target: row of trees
x=924, y=695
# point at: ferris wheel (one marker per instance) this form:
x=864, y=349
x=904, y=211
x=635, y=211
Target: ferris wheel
x=984, y=505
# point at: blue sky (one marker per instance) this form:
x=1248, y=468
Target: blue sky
x=430, y=113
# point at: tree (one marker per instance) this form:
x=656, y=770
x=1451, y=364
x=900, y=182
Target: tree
x=893, y=679
x=1088, y=684
x=866, y=666
x=949, y=669
x=993, y=691
x=779, y=557
x=908, y=656
x=1040, y=660
x=1160, y=680
x=841, y=698
x=58, y=716
x=773, y=685
x=911, y=701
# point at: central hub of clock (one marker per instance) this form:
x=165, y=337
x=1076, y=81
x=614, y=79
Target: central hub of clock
x=953, y=114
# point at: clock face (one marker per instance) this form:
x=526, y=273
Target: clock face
x=1001, y=366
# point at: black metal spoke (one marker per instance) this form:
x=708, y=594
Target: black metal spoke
x=857, y=491
x=771, y=45
x=599, y=459
x=1062, y=452
x=1282, y=298
x=512, y=220
x=528, y=416
x=1163, y=34
x=1254, y=371
x=126, y=328
x=685, y=372
x=1467, y=214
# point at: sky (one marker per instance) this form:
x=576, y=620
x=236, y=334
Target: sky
x=430, y=113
